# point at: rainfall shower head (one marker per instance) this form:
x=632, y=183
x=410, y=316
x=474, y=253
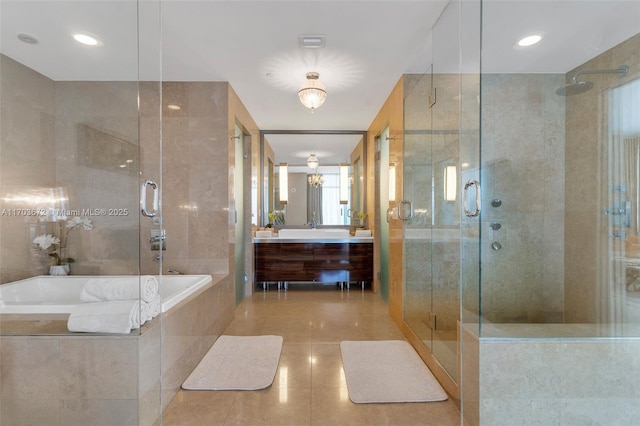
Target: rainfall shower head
x=574, y=88
x=577, y=87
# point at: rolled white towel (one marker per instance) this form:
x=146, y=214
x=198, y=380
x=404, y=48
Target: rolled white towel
x=149, y=288
x=156, y=306
x=149, y=310
x=118, y=316
x=119, y=288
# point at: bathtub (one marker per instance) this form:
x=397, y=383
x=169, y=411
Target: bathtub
x=47, y=294
x=113, y=379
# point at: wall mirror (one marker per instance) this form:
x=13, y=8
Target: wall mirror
x=313, y=194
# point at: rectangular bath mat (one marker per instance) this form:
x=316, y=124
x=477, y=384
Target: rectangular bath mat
x=387, y=371
x=237, y=363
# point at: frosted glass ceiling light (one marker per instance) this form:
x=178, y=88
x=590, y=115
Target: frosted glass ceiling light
x=312, y=93
x=313, y=162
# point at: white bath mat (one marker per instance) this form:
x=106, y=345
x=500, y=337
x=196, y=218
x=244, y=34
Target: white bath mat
x=387, y=371
x=237, y=363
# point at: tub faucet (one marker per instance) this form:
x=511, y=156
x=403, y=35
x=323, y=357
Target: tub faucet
x=173, y=271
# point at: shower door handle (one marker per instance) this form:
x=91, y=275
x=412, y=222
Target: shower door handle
x=389, y=214
x=143, y=199
x=404, y=207
x=476, y=209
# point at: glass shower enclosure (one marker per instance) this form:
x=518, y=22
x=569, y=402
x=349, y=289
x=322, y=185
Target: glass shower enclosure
x=525, y=277
x=77, y=140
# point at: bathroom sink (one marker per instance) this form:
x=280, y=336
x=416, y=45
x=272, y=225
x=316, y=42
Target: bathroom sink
x=322, y=233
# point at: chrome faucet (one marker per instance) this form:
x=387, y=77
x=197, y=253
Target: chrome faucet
x=173, y=271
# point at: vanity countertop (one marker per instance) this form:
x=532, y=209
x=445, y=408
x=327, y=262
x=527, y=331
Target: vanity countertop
x=349, y=240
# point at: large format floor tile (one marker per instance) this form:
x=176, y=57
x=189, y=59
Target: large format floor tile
x=309, y=387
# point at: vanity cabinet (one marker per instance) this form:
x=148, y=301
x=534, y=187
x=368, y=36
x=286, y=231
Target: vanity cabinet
x=313, y=261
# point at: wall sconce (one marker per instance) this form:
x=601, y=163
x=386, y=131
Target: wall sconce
x=283, y=178
x=450, y=183
x=392, y=182
x=344, y=183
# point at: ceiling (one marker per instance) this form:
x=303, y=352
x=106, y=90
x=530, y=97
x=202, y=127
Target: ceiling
x=254, y=46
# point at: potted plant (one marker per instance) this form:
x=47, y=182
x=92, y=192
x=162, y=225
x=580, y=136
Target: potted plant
x=56, y=244
x=361, y=217
x=272, y=219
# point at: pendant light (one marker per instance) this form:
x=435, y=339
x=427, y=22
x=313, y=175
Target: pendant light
x=312, y=93
x=313, y=162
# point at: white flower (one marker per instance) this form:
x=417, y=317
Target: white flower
x=80, y=221
x=45, y=241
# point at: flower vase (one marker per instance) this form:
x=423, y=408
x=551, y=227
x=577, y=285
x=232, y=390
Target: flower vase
x=59, y=270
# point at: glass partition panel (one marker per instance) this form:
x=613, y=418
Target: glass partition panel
x=70, y=144
x=558, y=186
x=418, y=190
x=74, y=118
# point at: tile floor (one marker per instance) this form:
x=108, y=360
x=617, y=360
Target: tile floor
x=309, y=387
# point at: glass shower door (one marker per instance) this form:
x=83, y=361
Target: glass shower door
x=418, y=194
x=382, y=195
x=432, y=179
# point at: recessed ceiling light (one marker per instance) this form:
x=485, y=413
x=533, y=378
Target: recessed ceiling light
x=87, y=39
x=27, y=38
x=529, y=40
x=173, y=107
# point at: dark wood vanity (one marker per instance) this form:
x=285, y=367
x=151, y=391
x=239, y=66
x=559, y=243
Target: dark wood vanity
x=326, y=261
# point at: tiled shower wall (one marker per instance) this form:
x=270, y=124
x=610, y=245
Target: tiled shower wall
x=195, y=174
x=27, y=156
x=523, y=167
x=49, y=130
x=47, y=135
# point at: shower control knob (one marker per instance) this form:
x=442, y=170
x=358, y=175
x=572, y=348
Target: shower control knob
x=496, y=202
x=496, y=246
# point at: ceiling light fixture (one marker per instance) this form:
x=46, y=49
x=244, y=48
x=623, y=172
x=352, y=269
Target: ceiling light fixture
x=312, y=93
x=315, y=179
x=86, y=39
x=313, y=162
x=529, y=40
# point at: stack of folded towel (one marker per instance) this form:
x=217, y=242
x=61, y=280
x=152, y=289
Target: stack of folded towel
x=363, y=232
x=115, y=305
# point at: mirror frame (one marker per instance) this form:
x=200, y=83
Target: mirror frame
x=262, y=178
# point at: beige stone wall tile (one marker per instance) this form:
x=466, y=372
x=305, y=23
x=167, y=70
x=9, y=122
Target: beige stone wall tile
x=30, y=369
x=27, y=412
x=207, y=236
x=98, y=368
x=83, y=412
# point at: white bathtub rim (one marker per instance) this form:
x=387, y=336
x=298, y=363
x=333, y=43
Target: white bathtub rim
x=202, y=282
